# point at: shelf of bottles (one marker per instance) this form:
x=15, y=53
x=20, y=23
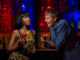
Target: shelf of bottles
x=72, y=13
x=5, y=22
x=5, y=16
x=62, y=5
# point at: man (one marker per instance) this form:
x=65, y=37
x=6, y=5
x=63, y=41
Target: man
x=60, y=31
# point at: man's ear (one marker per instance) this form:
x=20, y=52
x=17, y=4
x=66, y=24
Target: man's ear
x=55, y=18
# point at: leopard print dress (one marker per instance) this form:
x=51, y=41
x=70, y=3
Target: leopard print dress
x=22, y=53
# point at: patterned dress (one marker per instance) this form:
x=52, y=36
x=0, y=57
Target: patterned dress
x=24, y=50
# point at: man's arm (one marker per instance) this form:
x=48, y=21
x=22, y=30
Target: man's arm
x=60, y=36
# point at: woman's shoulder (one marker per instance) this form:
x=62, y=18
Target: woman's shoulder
x=33, y=31
x=15, y=32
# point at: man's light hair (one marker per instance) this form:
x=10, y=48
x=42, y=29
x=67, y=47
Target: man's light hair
x=53, y=12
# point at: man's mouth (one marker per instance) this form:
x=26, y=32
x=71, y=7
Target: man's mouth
x=48, y=23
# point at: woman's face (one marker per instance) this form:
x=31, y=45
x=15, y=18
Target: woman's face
x=26, y=21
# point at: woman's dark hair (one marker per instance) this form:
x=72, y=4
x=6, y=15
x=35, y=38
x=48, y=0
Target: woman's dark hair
x=19, y=17
x=53, y=12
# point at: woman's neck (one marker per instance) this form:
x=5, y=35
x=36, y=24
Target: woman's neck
x=24, y=28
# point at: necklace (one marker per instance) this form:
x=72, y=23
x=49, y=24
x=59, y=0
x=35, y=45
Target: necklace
x=27, y=35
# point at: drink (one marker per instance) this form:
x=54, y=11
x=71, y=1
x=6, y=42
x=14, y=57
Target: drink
x=24, y=35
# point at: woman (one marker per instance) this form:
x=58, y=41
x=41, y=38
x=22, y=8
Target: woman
x=22, y=41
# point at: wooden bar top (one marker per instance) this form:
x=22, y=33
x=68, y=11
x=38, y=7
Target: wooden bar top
x=46, y=49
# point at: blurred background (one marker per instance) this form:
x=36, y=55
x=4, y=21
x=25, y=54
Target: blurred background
x=69, y=9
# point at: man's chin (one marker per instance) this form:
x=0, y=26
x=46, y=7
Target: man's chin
x=49, y=26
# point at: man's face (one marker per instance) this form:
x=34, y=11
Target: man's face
x=49, y=20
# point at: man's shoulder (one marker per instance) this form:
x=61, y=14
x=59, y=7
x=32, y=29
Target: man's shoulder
x=63, y=21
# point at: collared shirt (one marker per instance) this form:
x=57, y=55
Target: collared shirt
x=58, y=34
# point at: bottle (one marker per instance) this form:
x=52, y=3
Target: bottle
x=72, y=22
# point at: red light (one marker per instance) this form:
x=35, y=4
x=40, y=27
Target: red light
x=4, y=8
x=41, y=24
x=42, y=8
x=24, y=35
x=48, y=1
x=48, y=7
x=78, y=33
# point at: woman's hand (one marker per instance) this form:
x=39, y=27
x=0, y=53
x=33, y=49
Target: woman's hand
x=22, y=40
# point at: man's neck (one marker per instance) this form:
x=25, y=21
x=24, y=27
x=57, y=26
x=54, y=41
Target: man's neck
x=54, y=24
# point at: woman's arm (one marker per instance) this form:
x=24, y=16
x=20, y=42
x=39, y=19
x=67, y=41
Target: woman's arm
x=12, y=44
